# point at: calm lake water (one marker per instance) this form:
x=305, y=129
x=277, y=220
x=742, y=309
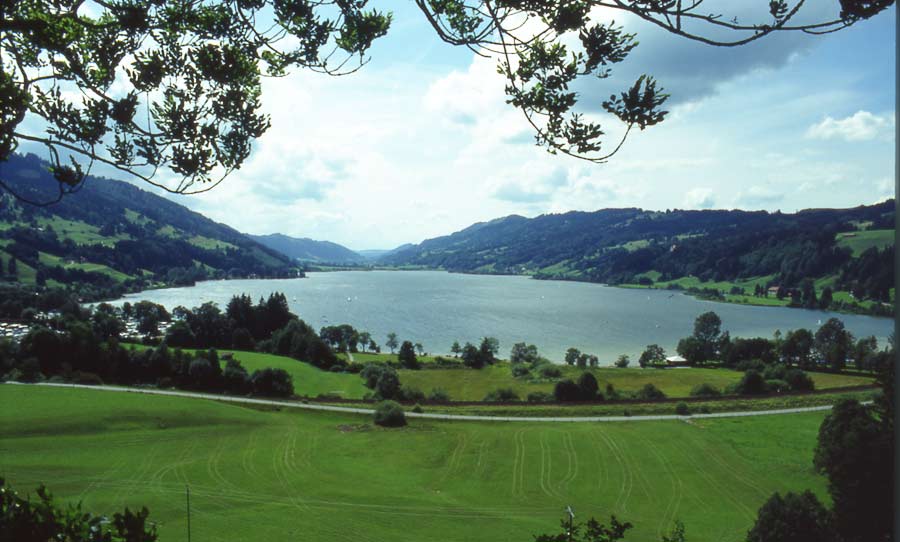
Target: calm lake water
x=437, y=308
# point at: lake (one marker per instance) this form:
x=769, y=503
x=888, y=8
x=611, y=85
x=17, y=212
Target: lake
x=436, y=308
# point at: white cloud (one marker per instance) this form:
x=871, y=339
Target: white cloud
x=401, y=152
x=699, y=198
x=758, y=196
x=884, y=189
x=861, y=126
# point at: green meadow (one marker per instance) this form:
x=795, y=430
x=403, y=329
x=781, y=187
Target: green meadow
x=861, y=241
x=473, y=385
x=257, y=474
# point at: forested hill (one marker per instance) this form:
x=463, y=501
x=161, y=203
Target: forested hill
x=309, y=250
x=845, y=249
x=112, y=236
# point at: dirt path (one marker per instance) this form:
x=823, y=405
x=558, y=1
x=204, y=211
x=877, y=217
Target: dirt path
x=425, y=415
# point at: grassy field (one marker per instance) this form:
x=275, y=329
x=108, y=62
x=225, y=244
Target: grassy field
x=279, y=475
x=472, y=385
x=81, y=233
x=749, y=284
x=861, y=241
x=308, y=380
x=51, y=261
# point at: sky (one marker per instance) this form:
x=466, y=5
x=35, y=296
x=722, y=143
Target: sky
x=420, y=143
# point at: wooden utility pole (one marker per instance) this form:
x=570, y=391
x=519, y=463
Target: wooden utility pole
x=187, y=490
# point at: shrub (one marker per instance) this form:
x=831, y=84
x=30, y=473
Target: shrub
x=566, y=391
x=519, y=370
x=389, y=414
x=799, y=380
x=90, y=379
x=623, y=361
x=417, y=409
x=650, y=393
x=611, y=393
x=370, y=373
x=777, y=386
x=751, y=365
x=411, y=394
x=752, y=383
x=682, y=409
x=539, y=397
x=441, y=362
x=272, y=382
x=501, y=395
x=705, y=390
x=776, y=371
x=548, y=370
x=439, y=395
x=388, y=384
x=587, y=383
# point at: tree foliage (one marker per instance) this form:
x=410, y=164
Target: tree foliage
x=407, y=356
x=176, y=85
x=857, y=455
x=389, y=414
x=589, y=531
x=792, y=518
x=27, y=519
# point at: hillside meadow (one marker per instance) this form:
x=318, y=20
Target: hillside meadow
x=278, y=475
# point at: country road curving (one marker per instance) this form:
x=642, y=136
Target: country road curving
x=424, y=415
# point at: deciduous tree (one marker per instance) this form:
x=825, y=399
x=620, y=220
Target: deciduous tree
x=177, y=85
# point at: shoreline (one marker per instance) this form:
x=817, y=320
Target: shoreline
x=625, y=286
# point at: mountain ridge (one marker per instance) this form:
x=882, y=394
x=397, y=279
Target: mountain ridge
x=309, y=250
x=850, y=249
x=112, y=236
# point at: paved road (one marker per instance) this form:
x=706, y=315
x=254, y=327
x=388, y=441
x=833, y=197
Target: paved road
x=431, y=416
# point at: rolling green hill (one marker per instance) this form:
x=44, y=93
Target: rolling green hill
x=112, y=236
x=264, y=474
x=851, y=248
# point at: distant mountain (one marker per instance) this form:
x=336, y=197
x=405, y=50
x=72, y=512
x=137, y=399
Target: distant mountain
x=374, y=254
x=113, y=236
x=849, y=248
x=308, y=250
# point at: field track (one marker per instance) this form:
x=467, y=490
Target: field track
x=432, y=416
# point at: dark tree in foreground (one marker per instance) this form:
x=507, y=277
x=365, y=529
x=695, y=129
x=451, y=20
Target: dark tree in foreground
x=144, y=85
x=792, y=518
x=26, y=519
x=856, y=453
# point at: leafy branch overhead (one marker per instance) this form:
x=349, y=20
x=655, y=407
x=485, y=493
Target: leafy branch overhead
x=151, y=85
